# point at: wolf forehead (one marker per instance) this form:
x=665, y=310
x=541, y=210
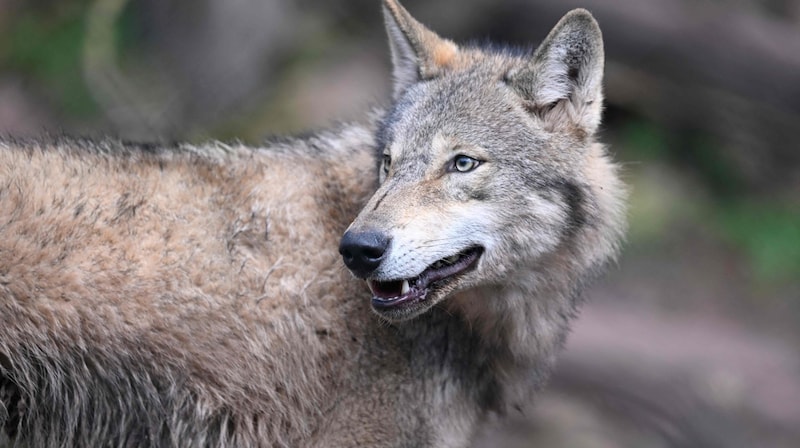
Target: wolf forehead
x=474, y=106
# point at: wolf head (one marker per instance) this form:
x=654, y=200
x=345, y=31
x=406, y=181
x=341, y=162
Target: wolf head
x=488, y=165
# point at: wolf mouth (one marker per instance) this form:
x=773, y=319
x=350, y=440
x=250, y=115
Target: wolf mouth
x=391, y=294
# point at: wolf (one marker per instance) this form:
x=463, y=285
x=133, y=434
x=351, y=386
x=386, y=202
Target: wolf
x=188, y=295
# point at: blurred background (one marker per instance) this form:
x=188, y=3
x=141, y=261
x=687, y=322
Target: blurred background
x=693, y=340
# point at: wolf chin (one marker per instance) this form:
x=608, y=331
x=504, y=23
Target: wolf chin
x=196, y=296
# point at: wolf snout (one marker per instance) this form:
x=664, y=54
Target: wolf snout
x=363, y=252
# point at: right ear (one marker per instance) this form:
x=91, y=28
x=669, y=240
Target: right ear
x=563, y=81
x=417, y=52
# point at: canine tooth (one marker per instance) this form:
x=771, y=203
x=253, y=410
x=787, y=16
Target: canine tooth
x=406, y=288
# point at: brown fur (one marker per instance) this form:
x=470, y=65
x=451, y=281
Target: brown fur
x=194, y=296
x=192, y=265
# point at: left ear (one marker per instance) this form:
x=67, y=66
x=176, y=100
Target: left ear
x=417, y=52
x=562, y=84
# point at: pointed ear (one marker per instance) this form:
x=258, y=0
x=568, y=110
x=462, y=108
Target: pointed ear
x=562, y=83
x=417, y=52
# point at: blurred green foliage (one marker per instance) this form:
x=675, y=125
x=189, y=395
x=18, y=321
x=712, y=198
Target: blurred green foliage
x=765, y=232
x=645, y=139
x=44, y=43
x=769, y=233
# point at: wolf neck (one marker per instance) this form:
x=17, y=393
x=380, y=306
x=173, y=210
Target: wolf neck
x=522, y=322
x=514, y=332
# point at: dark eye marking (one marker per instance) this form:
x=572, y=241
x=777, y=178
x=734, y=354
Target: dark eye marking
x=386, y=162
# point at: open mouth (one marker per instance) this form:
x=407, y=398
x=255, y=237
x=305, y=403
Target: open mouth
x=391, y=294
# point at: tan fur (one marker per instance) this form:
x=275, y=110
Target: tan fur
x=444, y=54
x=205, y=260
x=194, y=296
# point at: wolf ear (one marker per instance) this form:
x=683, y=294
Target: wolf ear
x=562, y=84
x=417, y=52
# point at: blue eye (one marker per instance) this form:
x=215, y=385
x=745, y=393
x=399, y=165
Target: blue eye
x=463, y=164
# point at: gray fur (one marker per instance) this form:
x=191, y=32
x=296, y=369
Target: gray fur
x=193, y=296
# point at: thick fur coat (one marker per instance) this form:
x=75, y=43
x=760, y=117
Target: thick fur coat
x=194, y=296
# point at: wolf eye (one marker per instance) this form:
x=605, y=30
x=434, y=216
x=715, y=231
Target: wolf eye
x=463, y=164
x=385, y=163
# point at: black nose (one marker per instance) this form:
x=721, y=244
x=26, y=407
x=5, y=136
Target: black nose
x=363, y=251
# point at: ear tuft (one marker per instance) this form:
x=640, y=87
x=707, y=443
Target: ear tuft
x=417, y=52
x=563, y=81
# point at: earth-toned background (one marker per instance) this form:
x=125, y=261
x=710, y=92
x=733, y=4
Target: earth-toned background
x=692, y=340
